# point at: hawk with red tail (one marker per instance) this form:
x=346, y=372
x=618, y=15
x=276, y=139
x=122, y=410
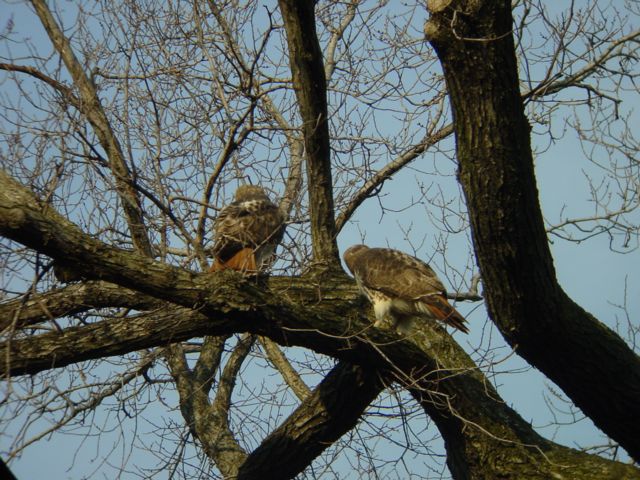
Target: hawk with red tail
x=247, y=232
x=400, y=287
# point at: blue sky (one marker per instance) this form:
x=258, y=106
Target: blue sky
x=589, y=271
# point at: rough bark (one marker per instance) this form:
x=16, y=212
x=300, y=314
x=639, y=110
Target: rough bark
x=333, y=409
x=76, y=298
x=591, y=364
x=309, y=83
x=484, y=437
x=208, y=420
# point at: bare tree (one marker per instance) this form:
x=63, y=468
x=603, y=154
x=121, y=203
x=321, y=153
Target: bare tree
x=128, y=126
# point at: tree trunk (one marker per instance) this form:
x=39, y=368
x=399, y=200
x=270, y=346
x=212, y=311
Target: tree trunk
x=484, y=437
x=592, y=364
x=309, y=82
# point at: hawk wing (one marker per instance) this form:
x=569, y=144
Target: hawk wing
x=411, y=284
x=395, y=273
x=246, y=234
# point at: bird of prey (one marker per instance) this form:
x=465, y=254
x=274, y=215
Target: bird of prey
x=400, y=287
x=247, y=232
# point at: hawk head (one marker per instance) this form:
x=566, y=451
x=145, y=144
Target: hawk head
x=352, y=253
x=246, y=193
x=400, y=287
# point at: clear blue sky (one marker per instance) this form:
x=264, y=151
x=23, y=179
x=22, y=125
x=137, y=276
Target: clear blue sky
x=589, y=272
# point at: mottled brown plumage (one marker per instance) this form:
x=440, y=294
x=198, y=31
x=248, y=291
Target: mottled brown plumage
x=400, y=287
x=247, y=231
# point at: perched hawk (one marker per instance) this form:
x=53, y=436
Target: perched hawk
x=401, y=287
x=247, y=231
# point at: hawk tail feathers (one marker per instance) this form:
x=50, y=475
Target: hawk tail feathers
x=242, y=261
x=442, y=310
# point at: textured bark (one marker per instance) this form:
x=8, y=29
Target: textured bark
x=322, y=317
x=208, y=420
x=333, y=409
x=309, y=83
x=591, y=364
x=79, y=297
x=485, y=438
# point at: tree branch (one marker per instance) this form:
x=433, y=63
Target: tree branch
x=34, y=308
x=555, y=84
x=332, y=409
x=91, y=107
x=35, y=73
x=326, y=319
x=309, y=82
x=289, y=374
x=206, y=422
x=592, y=364
x=385, y=173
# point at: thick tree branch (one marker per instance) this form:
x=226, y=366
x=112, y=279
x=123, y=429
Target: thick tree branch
x=203, y=419
x=457, y=396
x=309, y=82
x=332, y=409
x=35, y=308
x=592, y=364
x=325, y=318
x=209, y=361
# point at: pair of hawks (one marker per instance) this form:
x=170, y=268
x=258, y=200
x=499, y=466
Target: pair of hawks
x=400, y=287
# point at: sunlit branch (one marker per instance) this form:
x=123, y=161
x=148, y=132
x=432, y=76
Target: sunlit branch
x=289, y=374
x=92, y=109
x=33, y=308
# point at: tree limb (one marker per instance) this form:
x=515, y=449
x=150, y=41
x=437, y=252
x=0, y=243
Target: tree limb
x=289, y=374
x=591, y=363
x=332, y=409
x=326, y=319
x=91, y=107
x=309, y=82
x=34, y=308
x=206, y=422
x=385, y=173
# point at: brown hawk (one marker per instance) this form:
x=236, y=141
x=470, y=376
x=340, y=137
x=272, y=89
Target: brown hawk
x=400, y=287
x=247, y=231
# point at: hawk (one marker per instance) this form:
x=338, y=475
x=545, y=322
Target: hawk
x=247, y=231
x=400, y=287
